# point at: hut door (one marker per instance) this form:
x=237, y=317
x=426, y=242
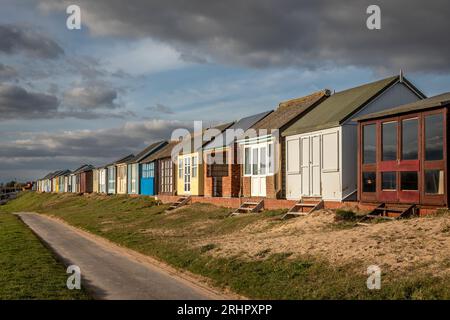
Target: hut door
x=408, y=163
x=259, y=168
x=399, y=165
x=311, y=166
x=187, y=174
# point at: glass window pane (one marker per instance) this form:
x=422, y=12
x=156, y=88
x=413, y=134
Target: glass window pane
x=247, y=167
x=263, y=160
x=434, y=181
x=410, y=144
x=388, y=181
x=369, y=182
x=369, y=143
x=255, y=162
x=389, y=144
x=409, y=180
x=434, y=136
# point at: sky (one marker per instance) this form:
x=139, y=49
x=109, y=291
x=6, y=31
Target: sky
x=137, y=70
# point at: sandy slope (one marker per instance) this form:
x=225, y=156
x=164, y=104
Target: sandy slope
x=394, y=246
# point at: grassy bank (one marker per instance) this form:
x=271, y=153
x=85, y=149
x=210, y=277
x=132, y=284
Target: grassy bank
x=28, y=269
x=182, y=239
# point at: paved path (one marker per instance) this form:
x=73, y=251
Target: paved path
x=106, y=271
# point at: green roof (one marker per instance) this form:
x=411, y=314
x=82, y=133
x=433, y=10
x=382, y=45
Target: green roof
x=339, y=107
x=441, y=100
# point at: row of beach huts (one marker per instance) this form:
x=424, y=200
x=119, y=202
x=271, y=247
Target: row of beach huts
x=383, y=143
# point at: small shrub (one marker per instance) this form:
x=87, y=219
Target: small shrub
x=345, y=215
x=207, y=247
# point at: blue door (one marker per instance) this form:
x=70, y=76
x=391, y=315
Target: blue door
x=147, y=172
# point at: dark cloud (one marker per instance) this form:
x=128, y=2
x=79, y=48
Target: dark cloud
x=14, y=39
x=18, y=103
x=7, y=72
x=265, y=33
x=160, y=108
x=94, y=97
x=51, y=151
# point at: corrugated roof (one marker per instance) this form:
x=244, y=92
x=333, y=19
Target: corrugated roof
x=290, y=110
x=339, y=106
x=433, y=102
x=148, y=151
x=243, y=124
x=164, y=152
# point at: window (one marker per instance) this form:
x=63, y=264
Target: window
x=409, y=180
x=247, y=165
x=151, y=170
x=410, y=144
x=180, y=168
x=271, y=157
x=389, y=145
x=369, y=144
x=434, y=181
x=388, y=181
x=255, y=162
x=194, y=167
x=263, y=157
x=434, y=136
x=369, y=182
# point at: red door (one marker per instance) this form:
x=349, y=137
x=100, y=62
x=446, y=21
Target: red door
x=399, y=165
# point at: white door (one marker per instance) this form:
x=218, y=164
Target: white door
x=187, y=174
x=310, y=165
x=259, y=171
x=305, y=166
x=315, y=166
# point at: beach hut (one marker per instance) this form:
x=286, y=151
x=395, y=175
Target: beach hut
x=139, y=179
x=112, y=175
x=122, y=173
x=164, y=169
x=403, y=154
x=102, y=179
x=190, y=178
x=321, y=147
x=95, y=180
x=86, y=179
x=263, y=147
x=222, y=172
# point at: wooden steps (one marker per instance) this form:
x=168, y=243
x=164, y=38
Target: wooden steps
x=182, y=201
x=304, y=207
x=249, y=206
x=390, y=212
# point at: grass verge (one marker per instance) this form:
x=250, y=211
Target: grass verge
x=183, y=239
x=28, y=269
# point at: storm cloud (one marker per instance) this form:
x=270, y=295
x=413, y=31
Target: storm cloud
x=261, y=33
x=18, y=103
x=14, y=39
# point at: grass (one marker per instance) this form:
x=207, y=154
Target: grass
x=28, y=269
x=141, y=224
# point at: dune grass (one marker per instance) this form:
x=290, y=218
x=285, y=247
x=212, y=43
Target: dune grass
x=141, y=224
